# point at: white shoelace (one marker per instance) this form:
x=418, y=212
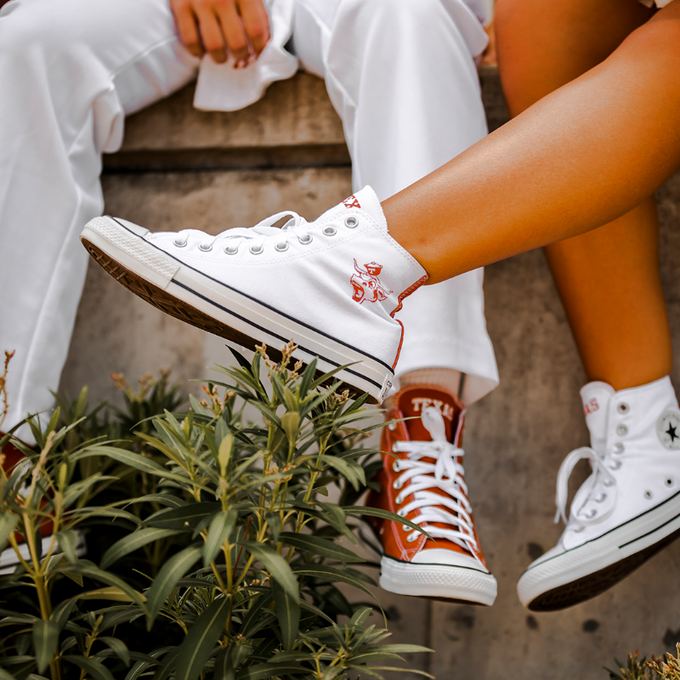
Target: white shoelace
x=598, y=487
x=445, y=474
x=231, y=239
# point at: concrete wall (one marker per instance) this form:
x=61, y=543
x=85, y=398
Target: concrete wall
x=181, y=168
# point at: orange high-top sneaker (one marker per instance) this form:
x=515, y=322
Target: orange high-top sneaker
x=422, y=480
x=8, y=557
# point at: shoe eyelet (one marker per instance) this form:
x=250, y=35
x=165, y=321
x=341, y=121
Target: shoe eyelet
x=351, y=222
x=649, y=495
x=592, y=513
x=601, y=498
x=617, y=464
x=578, y=530
x=281, y=247
x=619, y=447
x=405, y=527
x=396, y=484
x=205, y=247
x=609, y=483
x=256, y=250
x=395, y=466
x=669, y=482
x=178, y=243
x=231, y=250
x=622, y=430
x=392, y=427
x=399, y=500
x=623, y=408
x=412, y=537
x=400, y=512
x=306, y=240
x=330, y=231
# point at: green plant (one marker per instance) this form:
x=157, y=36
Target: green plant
x=247, y=587
x=666, y=668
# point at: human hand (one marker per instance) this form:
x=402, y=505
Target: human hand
x=223, y=27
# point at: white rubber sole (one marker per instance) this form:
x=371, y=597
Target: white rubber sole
x=193, y=297
x=438, y=581
x=560, y=581
x=9, y=559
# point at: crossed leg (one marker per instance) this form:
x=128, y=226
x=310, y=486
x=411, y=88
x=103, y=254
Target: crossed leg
x=579, y=158
x=608, y=279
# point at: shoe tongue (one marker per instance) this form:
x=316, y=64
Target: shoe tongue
x=365, y=200
x=595, y=397
x=411, y=401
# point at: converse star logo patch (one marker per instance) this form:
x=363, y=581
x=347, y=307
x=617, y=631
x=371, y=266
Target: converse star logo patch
x=366, y=284
x=668, y=430
x=351, y=202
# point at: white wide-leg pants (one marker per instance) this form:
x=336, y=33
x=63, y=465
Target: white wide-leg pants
x=400, y=73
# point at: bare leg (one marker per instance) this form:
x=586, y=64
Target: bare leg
x=619, y=321
x=581, y=157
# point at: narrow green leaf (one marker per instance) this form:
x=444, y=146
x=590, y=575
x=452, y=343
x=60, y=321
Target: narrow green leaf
x=171, y=572
x=166, y=499
x=319, y=546
x=325, y=572
x=68, y=542
x=383, y=514
x=224, y=452
x=288, y=615
x=224, y=667
x=45, y=639
x=87, y=568
x=110, y=593
x=118, y=647
x=307, y=378
x=167, y=666
x=352, y=472
x=265, y=671
x=290, y=422
x=8, y=522
x=144, y=664
x=62, y=612
x=255, y=616
x=97, y=670
x=275, y=564
x=129, y=458
x=218, y=532
x=201, y=639
x=133, y=542
x=133, y=460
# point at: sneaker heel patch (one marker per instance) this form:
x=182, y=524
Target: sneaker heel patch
x=668, y=430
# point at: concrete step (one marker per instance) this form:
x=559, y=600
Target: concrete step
x=181, y=167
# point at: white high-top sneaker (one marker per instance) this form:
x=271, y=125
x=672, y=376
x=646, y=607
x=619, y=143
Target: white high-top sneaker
x=629, y=507
x=332, y=285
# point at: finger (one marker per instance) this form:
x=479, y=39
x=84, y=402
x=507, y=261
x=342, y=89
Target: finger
x=211, y=33
x=234, y=31
x=256, y=22
x=187, y=30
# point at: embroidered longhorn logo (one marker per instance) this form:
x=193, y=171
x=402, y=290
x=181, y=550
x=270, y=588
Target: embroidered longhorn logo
x=351, y=202
x=366, y=284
